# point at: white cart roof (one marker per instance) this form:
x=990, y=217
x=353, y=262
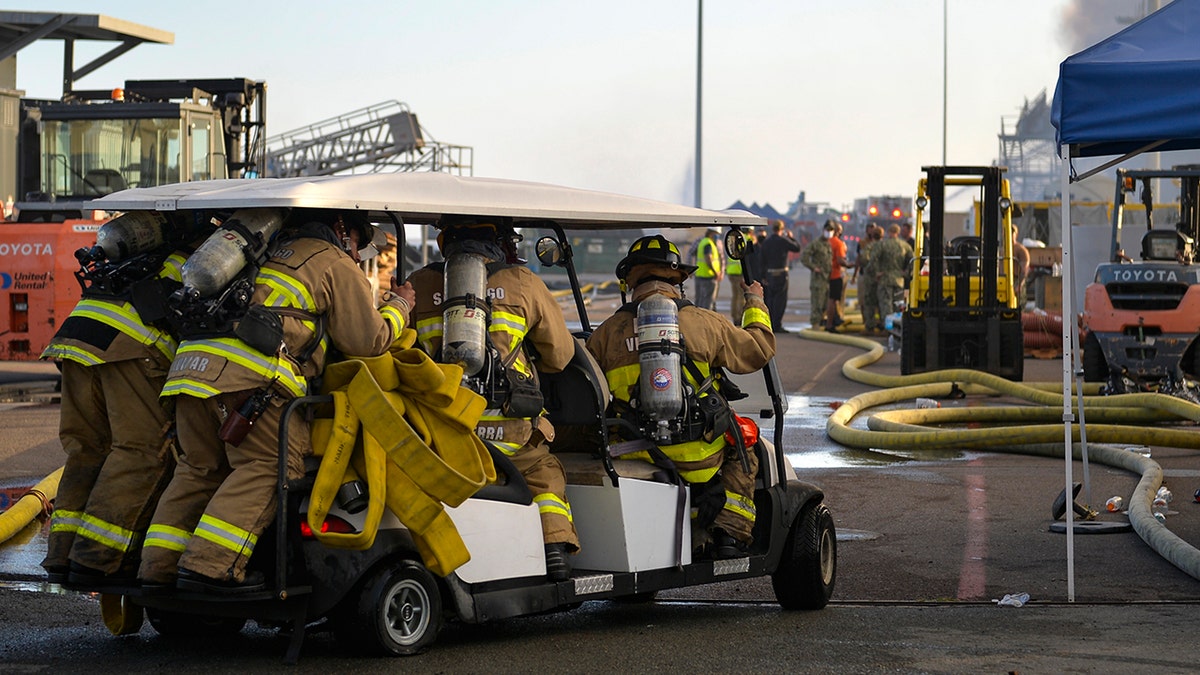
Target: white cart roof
x=424, y=197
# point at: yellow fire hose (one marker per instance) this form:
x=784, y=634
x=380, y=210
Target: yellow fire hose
x=1119, y=420
x=30, y=506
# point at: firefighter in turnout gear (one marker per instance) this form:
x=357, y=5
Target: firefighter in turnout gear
x=113, y=428
x=505, y=338
x=230, y=396
x=701, y=453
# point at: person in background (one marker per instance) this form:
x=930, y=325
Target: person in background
x=775, y=252
x=1020, y=269
x=890, y=259
x=653, y=267
x=837, y=289
x=864, y=276
x=906, y=234
x=818, y=258
x=709, y=269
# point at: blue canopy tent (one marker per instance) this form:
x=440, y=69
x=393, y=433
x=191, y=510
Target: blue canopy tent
x=1134, y=92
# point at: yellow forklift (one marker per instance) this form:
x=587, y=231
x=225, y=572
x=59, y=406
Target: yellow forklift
x=962, y=307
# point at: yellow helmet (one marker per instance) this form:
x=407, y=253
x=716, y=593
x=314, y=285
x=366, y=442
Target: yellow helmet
x=653, y=250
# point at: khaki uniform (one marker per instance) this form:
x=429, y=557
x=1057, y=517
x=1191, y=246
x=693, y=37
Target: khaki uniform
x=868, y=301
x=222, y=496
x=889, y=259
x=522, y=311
x=113, y=430
x=711, y=342
x=818, y=258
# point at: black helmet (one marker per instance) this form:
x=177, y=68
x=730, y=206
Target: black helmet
x=653, y=250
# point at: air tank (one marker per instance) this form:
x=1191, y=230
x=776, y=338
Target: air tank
x=131, y=233
x=465, y=318
x=219, y=259
x=660, y=352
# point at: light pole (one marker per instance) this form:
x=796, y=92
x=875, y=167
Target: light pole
x=699, y=71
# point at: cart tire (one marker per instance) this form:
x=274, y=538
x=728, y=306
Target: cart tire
x=808, y=568
x=180, y=625
x=1095, y=369
x=398, y=612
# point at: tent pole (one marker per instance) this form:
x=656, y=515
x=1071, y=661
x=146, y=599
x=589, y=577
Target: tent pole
x=1068, y=361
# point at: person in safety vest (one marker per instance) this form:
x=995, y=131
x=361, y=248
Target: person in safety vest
x=502, y=340
x=230, y=397
x=709, y=269
x=702, y=454
x=114, y=430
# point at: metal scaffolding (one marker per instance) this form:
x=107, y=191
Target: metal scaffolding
x=382, y=138
x=1027, y=148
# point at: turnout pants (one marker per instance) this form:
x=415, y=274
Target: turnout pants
x=547, y=481
x=738, y=515
x=222, y=496
x=113, y=430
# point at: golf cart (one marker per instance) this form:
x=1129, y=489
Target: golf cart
x=633, y=518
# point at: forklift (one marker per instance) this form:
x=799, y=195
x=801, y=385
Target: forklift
x=962, y=309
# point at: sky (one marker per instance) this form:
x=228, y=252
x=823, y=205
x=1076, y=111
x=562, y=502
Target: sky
x=840, y=99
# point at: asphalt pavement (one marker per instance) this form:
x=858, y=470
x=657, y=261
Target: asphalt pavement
x=928, y=542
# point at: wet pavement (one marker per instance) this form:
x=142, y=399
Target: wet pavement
x=928, y=541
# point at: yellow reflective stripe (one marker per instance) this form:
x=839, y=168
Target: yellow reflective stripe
x=507, y=322
x=165, y=536
x=172, y=267
x=548, y=502
x=112, y=536
x=65, y=521
x=72, y=353
x=427, y=330
x=270, y=367
x=286, y=291
x=690, y=475
x=740, y=505
x=621, y=380
x=190, y=388
x=509, y=449
x=754, y=315
x=394, y=317
x=125, y=319
x=226, y=535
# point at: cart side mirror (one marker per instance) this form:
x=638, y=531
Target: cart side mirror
x=549, y=252
x=735, y=244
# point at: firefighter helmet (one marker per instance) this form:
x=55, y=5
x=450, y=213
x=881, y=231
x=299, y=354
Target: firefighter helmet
x=653, y=250
x=489, y=230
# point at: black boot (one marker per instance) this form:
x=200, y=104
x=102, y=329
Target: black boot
x=558, y=566
x=725, y=546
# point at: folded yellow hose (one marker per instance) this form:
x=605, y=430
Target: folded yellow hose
x=28, y=507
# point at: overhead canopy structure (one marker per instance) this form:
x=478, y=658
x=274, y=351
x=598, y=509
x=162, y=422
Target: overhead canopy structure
x=424, y=197
x=21, y=29
x=1133, y=92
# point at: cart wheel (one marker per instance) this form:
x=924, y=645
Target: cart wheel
x=178, y=624
x=399, y=612
x=808, y=567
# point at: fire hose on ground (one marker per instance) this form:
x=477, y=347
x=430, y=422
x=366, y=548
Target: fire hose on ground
x=1112, y=422
x=29, y=506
